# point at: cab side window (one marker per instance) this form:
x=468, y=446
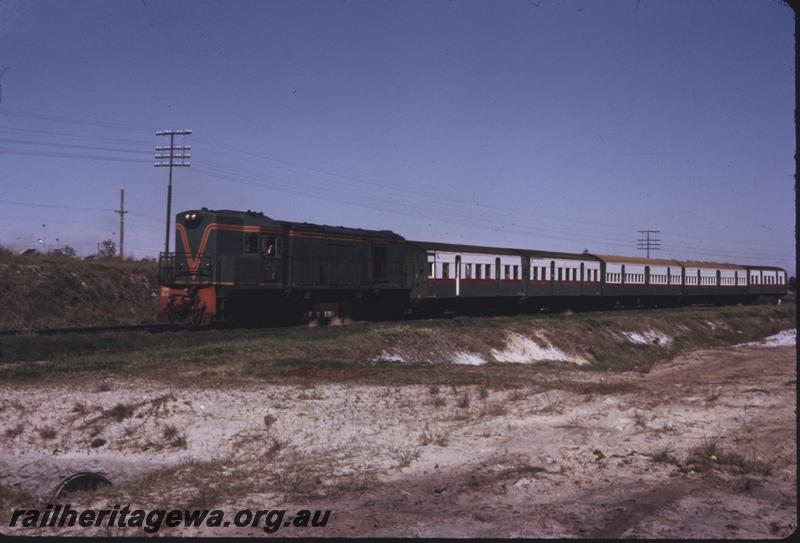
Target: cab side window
x=251, y=243
x=268, y=246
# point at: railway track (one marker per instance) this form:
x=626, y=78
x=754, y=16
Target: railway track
x=158, y=327
x=91, y=329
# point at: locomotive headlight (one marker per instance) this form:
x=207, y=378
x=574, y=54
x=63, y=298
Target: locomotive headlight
x=192, y=219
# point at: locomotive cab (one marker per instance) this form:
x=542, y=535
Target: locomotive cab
x=216, y=250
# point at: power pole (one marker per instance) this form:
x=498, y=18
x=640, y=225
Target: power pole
x=647, y=243
x=121, y=212
x=178, y=157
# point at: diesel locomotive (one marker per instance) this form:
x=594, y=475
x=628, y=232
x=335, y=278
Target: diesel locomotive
x=243, y=266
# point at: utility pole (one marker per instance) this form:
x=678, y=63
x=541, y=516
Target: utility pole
x=178, y=157
x=121, y=212
x=647, y=243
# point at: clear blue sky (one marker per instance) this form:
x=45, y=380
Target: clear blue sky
x=557, y=125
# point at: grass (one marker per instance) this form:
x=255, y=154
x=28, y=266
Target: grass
x=639, y=419
x=664, y=455
x=427, y=437
x=14, y=431
x=120, y=412
x=172, y=437
x=55, y=291
x=405, y=457
x=709, y=456
x=298, y=355
x=47, y=433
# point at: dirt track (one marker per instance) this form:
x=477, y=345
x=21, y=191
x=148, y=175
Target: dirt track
x=442, y=462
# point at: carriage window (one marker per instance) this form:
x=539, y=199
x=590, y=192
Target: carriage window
x=431, y=267
x=446, y=270
x=508, y=271
x=535, y=273
x=488, y=269
x=467, y=271
x=544, y=273
x=478, y=269
x=516, y=272
x=251, y=243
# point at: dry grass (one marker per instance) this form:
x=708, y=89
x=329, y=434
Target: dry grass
x=173, y=437
x=54, y=291
x=664, y=455
x=427, y=437
x=710, y=455
x=120, y=412
x=405, y=457
x=14, y=431
x=46, y=433
x=639, y=419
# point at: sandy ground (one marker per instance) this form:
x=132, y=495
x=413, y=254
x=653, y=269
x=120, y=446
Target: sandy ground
x=417, y=461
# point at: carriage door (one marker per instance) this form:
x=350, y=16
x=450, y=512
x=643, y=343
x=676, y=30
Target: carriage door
x=458, y=275
x=719, y=282
x=647, y=275
x=581, y=279
x=270, y=255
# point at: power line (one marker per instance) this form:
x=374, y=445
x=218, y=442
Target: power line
x=72, y=146
x=117, y=125
x=72, y=135
x=76, y=208
x=73, y=156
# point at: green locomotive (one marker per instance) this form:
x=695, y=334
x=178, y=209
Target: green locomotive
x=233, y=265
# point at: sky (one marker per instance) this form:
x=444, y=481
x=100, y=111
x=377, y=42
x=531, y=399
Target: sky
x=557, y=125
